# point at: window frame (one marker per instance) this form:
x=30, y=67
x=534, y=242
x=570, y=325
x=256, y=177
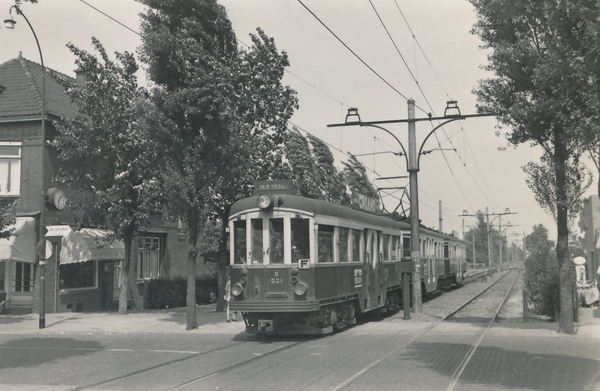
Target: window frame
x=17, y=145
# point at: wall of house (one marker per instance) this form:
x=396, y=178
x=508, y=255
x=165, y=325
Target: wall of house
x=589, y=221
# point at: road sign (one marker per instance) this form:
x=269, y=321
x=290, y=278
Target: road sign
x=57, y=230
x=44, y=249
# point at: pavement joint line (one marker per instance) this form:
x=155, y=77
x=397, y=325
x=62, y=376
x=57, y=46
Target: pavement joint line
x=100, y=350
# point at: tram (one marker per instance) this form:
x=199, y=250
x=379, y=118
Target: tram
x=306, y=266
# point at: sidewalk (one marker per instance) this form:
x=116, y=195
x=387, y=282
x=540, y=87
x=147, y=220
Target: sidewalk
x=151, y=321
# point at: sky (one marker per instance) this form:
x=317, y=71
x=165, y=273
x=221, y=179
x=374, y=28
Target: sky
x=431, y=58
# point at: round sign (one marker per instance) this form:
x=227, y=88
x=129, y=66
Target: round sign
x=579, y=261
x=44, y=249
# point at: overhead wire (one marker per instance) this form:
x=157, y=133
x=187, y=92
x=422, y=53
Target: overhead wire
x=358, y=57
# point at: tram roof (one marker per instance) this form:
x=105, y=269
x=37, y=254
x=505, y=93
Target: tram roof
x=319, y=207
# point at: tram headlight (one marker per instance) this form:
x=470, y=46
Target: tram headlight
x=237, y=289
x=264, y=201
x=300, y=288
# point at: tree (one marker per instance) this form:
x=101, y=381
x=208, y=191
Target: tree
x=479, y=233
x=541, y=271
x=105, y=153
x=355, y=174
x=223, y=112
x=8, y=217
x=537, y=60
x=332, y=184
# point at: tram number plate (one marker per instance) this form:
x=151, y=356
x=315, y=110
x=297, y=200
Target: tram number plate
x=276, y=278
x=276, y=281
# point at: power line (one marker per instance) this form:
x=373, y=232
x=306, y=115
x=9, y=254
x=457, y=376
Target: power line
x=110, y=17
x=357, y=56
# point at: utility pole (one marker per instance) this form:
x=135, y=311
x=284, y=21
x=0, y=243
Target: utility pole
x=415, y=245
x=412, y=162
x=487, y=225
x=440, y=208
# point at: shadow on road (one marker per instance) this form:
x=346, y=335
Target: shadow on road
x=31, y=352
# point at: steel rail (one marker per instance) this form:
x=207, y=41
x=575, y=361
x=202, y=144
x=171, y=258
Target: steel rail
x=425, y=330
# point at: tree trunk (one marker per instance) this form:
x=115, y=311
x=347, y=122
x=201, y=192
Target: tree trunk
x=565, y=324
x=222, y=263
x=190, y=299
x=124, y=292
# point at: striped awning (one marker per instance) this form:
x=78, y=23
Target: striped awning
x=21, y=245
x=90, y=244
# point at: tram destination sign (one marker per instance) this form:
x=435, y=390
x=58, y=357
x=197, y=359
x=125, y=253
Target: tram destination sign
x=284, y=186
x=362, y=202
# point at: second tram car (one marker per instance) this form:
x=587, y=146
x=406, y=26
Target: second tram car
x=301, y=265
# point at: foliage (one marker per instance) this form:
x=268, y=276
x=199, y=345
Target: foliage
x=7, y=218
x=105, y=153
x=541, y=271
x=171, y=292
x=544, y=57
x=355, y=174
x=221, y=113
x=333, y=186
x=479, y=232
x=541, y=179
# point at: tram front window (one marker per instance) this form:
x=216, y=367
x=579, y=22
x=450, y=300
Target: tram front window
x=300, y=239
x=239, y=252
x=257, y=241
x=276, y=250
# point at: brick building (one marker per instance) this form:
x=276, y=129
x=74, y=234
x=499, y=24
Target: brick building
x=589, y=222
x=82, y=273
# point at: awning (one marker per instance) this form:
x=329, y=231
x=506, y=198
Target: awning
x=21, y=245
x=89, y=244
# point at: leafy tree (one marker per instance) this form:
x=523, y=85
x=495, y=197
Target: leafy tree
x=479, y=233
x=8, y=217
x=105, y=153
x=539, y=69
x=541, y=271
x=302, y=168
x=332, y=185
x=355, y=174
x=222, y=115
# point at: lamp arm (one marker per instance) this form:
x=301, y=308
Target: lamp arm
x=430, y=133
x=394, y=136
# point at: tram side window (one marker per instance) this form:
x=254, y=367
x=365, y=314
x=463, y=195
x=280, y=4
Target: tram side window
x=240, y=249
x=300, y=239
x=276, y=241
x=394, y=248
x=386, y=247
x=446, y=250
x=325, y=243
x=257, y=241
x=343, y=244
x=406, y=246
x=355, y=246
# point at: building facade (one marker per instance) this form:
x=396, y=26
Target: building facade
x=589, y=223
x=82, y=272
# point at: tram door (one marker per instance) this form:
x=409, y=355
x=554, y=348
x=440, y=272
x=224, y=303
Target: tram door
x=373, y=258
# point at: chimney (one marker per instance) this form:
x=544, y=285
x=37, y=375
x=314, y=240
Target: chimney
x=80, y=77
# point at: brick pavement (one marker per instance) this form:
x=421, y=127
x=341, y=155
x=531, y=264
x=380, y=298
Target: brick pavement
x=515, y=355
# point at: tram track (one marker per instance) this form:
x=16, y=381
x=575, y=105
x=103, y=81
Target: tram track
x=466, y=359
x=348, y=383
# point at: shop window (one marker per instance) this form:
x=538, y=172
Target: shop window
x=23, y=277
x=78, y=275
x=10, y=168
x=276, y=249
x=300, y=239
x=148, y=257
x=325, y=246
x=240, y=249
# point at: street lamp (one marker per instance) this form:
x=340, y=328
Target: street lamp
x=452, y=113
x=9, y=23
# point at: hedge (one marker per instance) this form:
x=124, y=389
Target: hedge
x=171, y=292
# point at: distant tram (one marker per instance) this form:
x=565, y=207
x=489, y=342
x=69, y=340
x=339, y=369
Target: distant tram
x=300, y=265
